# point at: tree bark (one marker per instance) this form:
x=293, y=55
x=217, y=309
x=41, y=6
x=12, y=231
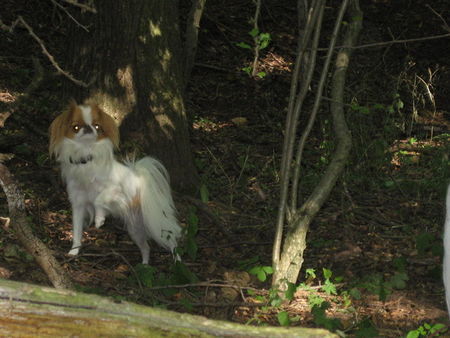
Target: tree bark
x=132, y=56
x=32, y=311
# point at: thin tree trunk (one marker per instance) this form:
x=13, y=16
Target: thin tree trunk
x=190, y=44
x=291, y=258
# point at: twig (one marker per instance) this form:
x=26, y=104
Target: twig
x=82, y=6
x=384, y=43
x=19, y=223
x=256, y=41
x=50, y=57
x=69, y=15
x=203, y=284
x=446, y=27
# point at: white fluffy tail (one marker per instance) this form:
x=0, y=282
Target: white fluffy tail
x=158, y=210
x=446, y=264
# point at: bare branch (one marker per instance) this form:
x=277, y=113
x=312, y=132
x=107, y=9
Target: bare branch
x=255, y=38
x=19, y=223
x=385, y=43
x=21, y=20
x=69, y=15
x=82, y=6
x=446, y=26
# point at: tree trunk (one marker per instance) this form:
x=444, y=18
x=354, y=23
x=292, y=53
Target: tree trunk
x=291, y=258
x=33, y=311
x=132, y=58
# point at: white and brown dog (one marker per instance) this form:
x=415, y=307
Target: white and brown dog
x=83, y=139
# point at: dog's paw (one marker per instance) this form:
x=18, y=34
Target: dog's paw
x=74, y=251
x=99, y=221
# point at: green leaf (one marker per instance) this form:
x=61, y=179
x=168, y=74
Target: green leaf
x=283, y=318
x=321, y=319
x=261, y=74
x=310, y=273
x=146, y=274
x=264, y=40
x=276, y=302
x=389, y=184
x=244, y=45
x=182, y=274
x=289, y=294
x=248, y=70
x=366, y=329
x=261, y=275
x=398, y=281
x=191, y=248
x=413, y=334
x=254, y=32
x=329, y=288
x=192, y=221
x=315, y=300
x=327, y=273
x=204, y=193
x=355, y=293
x=258, y=271
x=268, y=269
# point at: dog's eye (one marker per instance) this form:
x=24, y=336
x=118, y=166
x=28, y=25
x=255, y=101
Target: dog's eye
x=97, y=127
x=76, y=128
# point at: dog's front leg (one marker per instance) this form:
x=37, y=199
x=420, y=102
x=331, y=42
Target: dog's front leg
x=78, y=217
x=109, y=199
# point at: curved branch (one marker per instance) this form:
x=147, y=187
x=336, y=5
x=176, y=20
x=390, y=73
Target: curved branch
x=19, y=223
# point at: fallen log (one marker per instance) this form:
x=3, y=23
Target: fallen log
x=34, y=311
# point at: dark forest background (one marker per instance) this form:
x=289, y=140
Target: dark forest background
x=378, y=238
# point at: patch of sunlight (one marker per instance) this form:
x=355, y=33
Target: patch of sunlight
x=155, y=29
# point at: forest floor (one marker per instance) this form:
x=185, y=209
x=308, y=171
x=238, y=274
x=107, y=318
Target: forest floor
x=377, y=240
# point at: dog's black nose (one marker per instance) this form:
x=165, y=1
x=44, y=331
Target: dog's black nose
x=88, y=129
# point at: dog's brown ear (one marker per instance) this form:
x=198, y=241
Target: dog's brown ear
x=57, y=132
x=58, y=127
x=109, y=126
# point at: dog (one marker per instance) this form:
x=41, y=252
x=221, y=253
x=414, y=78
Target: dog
x=83, y=139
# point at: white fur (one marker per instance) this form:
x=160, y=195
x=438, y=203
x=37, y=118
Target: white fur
x=446, y=264
x=102, y=186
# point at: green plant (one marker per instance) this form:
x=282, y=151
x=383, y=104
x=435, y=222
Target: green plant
x=376, y=284
x=427, y=330
x=261, y=272
x=366, y=329
x=260, y=41
x=427, y=242
x=191, y=247
x=321, y=319
x=328, y=287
